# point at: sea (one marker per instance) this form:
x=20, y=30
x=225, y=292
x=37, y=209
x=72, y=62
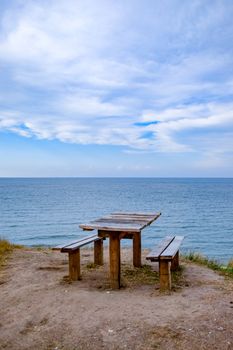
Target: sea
x=48, y=211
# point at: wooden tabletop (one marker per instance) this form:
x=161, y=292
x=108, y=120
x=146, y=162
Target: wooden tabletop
x=120, y=221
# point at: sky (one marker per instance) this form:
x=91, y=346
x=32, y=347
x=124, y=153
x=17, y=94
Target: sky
x=116, y=88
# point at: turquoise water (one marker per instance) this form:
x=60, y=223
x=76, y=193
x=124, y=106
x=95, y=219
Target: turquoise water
x=48, y=211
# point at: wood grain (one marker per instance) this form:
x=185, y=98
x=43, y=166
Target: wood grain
x=137, y=249
x=127, y=222
x=79, y=244
x=172, y=249
x=165, y=275
x=117, y=226
x=115, y=260
x=74, y=265
x=98, y=252
x=157, y=251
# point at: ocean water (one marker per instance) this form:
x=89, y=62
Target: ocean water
x=48, y=211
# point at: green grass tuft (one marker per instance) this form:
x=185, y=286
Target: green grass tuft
x=197, y=258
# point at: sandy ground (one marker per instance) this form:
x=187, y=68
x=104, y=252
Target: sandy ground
x=40, y=309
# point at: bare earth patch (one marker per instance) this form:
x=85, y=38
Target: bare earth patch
x=41, y=309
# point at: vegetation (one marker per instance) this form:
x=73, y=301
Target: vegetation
x=136, y=276
x=210, y=263
x=5, y=249
x=230, y=264
x=91, y=266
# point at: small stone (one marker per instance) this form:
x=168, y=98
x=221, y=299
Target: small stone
x=110, y=331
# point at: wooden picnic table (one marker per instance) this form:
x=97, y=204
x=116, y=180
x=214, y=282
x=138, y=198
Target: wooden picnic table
x=117, y=226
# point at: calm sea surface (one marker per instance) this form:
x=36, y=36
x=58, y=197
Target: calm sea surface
x=48, y=211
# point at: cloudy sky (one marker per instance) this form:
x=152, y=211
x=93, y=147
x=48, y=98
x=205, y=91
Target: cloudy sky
x=116, y=88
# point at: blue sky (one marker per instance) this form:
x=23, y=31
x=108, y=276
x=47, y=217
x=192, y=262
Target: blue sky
x=116, y=88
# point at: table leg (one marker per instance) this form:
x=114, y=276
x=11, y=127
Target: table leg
x=137, y=249
x=115, y=260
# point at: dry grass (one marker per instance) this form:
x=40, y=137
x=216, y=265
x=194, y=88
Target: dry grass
x=5, y=249
x=132, y=276
x=91, y=266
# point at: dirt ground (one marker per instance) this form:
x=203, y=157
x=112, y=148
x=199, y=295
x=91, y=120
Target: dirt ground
x=41, y=309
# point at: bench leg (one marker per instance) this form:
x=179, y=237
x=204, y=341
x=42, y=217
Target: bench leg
x=74, y=265
x=175, y=262
x=98, y=252
x=137, y=249
x=165, y=274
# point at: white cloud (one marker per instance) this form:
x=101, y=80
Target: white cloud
x=90, y=72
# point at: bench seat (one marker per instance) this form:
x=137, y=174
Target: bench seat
x=73, y=250
x=167, y=254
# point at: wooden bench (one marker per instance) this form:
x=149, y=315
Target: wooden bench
x=73, y=249
x=167, y=254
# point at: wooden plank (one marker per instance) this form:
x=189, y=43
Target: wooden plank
x=60, y=246
x=115, y=260
x=172, y=249
x=112, y=223
x=79, y=244
x=127, y=235
x=137, y=249
x=147, y=218
x=122, y=221
x=130, y=217
x=103, y=234
x=104, y=226
x=135, y=214
x=158, y=250
x=122, y=234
